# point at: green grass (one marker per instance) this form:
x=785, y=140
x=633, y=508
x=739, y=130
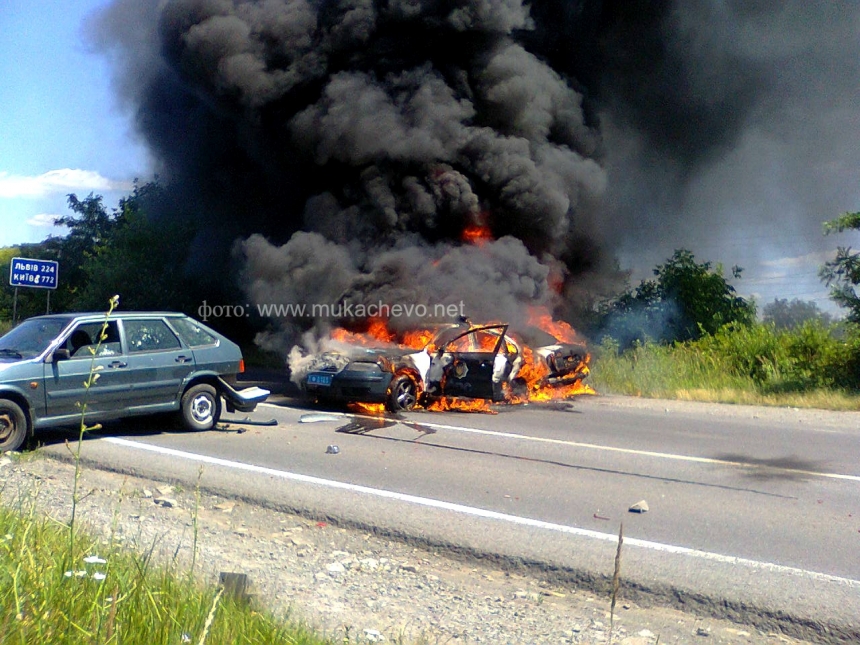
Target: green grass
x=5, y=325
x=51, y=595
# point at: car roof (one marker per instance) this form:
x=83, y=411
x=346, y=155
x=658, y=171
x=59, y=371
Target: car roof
x=115, y=314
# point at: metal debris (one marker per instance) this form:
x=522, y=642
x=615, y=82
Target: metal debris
x=317, y=417
x=639, y=507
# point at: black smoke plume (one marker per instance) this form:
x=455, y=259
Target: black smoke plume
x=342, y=148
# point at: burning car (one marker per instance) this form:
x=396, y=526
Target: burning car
x=460, y=361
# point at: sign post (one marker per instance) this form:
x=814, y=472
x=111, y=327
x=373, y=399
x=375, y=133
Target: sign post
x=37, y=274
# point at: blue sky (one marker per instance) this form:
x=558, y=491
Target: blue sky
x=61, y=129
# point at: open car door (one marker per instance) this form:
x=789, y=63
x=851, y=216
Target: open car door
x=469, y=362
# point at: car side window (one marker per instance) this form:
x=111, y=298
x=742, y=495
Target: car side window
x=192, y=332
x=83, y=342
x=149, y=336
x=478, y=340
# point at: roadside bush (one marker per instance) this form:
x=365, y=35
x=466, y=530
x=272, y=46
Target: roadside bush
x=806, y=357
x=738, y=363
x=753, y=351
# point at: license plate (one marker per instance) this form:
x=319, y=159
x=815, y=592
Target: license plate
x=319, y=379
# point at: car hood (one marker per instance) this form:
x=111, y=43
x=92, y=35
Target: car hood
x=336, y=361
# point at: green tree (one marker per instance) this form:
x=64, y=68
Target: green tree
x=140, y=258
x=684, y=301
x=842, y=274
x=785, y=314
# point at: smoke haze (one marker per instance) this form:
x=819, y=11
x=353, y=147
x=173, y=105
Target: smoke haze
x=342, y=148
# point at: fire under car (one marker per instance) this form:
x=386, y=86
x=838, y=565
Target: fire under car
x=461, y=361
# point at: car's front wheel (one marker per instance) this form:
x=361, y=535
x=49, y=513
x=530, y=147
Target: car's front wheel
x=402, y=394
x=13, y=426
x=200, y=407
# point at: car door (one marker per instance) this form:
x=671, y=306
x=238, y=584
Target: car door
x=469, y=361
x=65, y=378
x=158, y=363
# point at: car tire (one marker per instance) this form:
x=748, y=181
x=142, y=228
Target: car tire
x=402, y=394
x=200, y=407
x=13, y=426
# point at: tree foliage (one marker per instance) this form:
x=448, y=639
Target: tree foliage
x=789, y=314
x=842, y=274
x=141, y=259
x=684, y=301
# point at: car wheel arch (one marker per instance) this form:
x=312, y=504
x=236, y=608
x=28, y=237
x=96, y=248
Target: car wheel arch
x=22, y=402
x=17, y=404
x=394, y=402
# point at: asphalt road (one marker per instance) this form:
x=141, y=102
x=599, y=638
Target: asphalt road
x=753, y=514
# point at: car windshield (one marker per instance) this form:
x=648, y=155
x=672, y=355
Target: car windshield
x=31, y=337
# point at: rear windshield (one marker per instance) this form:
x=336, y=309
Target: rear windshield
x=192, y=332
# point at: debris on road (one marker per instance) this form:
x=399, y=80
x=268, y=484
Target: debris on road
x=317, y=417
x=639, y=507
x=332, y=450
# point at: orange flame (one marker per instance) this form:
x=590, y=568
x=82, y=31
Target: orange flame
x=447, y=404
x=476, y=234
x=372, y=409
x=377, y=331
x=540, y=317
x=417, y=339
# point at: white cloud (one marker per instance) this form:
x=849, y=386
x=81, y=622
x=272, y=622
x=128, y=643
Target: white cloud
x=801, y=261
x=43, y=220
x=64, y=180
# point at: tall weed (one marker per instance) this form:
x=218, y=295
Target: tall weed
x=740, y=363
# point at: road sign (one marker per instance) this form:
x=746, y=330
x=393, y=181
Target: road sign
x=40, y=274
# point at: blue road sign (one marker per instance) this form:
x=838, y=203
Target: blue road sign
x=41, y=274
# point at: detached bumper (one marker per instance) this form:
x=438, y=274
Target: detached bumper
x=244, y=400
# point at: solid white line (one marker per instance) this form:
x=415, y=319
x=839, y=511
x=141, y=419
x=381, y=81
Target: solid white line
x=628, y=451
x=480, y=512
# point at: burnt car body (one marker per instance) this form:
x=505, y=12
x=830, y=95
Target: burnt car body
x=146, y=362
x=566, y=363
x=462, y=360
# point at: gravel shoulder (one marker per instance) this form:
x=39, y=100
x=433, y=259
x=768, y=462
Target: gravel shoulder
x=353, y=584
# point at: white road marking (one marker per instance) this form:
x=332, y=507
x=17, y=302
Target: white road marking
x=629, y=451
x=480, y=512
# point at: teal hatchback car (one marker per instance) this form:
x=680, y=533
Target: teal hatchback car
x=147, y=362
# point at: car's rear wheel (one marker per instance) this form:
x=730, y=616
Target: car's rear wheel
x=13, y=426
x=200, y=407
x=402, y=394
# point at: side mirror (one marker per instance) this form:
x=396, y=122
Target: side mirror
x=61, y=354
